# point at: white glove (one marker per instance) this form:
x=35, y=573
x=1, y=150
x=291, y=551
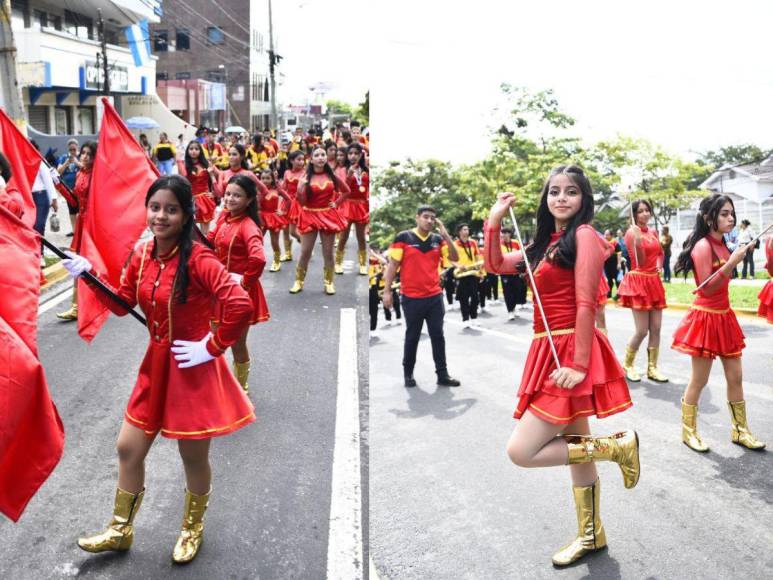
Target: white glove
x=192, y=353
x=236, y=277
x=76, y=265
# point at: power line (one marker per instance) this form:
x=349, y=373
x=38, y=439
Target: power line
x=193, y=13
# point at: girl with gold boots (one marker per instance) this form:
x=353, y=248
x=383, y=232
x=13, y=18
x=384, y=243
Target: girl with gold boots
x=710, y=328
x=555, y=403
x=642, y=291
x=238, y=242
x=184, y=389
x=292, y=177
x=272, y=214
x=355, y=209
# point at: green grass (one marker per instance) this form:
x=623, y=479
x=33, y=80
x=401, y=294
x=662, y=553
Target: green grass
x=740, y=296
x=50, y=260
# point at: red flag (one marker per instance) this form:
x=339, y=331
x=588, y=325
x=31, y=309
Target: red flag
x=25, y=161
x=31, y=433
x=115, y=216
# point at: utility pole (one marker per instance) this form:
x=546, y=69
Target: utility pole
x=10, y=91
x=103, y=44
x=273, y=60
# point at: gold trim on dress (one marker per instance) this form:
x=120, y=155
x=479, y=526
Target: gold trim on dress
x=213, y=430
x=559, y=332
x=709, y=310
x=641, y=273
x=577, y=414
x=315, y=209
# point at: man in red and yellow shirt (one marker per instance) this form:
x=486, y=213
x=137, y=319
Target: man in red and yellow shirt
x=419, y=253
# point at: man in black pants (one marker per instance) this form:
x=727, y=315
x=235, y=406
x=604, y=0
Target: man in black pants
x=419, y=253
x=513, y=285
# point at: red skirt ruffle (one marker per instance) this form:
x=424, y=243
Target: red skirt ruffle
x=603, y=291
x=603, y=392
x=766, y=302
x=328, y=220
x=356, y=211
x=642, y=291
x=205, y=208
x=260, y=312
x=274, y=222
x=194, y=403
x=709, y=334
x=293, y=211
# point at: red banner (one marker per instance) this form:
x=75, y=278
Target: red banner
x=25, y=161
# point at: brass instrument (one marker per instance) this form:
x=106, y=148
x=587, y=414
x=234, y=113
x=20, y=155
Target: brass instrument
x=475, y=269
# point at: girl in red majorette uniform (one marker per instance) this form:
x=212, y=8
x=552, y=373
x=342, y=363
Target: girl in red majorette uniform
x=238, y=242
x=272, y=213
x=184, y=389
x=355, y=209
x=195, y=167
x=292, y=177
x=554, y=404
x=766, y=295
x=237, y=165
x=710, y=328
x=642, y=291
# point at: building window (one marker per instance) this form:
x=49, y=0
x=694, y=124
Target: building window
x=20, y=13
x=37, y=117
x=62, y=121
x=162, y=75
x=182, y=76
x=78, y=25
x=86, y=120
x=215, y=35
x=160, y=41
x=216, y=76
x=183, y=39
x=39, y=19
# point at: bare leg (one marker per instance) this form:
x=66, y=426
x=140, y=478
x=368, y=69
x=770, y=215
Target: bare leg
x=307, y=246
x=239, y=348
x=533, y=443
x=132, y=446
x=701, y=367
x=343, y=237
x=294, y=233
x=641, y=320
x=328, y=241
x=359, y=231
x=195, y=456
x=655, y=322
x=734, y=378
x=275, y=241
x=286, y=235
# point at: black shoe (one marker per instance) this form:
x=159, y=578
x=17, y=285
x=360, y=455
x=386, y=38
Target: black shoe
x=69, y=235
x=410, y=381
x=447, y=381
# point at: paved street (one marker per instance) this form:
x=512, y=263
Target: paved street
x=269, y=516
x=447, y=503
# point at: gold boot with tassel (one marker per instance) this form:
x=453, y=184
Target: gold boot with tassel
x=363, y=259
x=630, y=371
x=741, y=434
x=590, y=531
x=652, y=366
x=72, y=313
x=300, y=276
x=119, y=535
x=621, y=448
x=690, y=435
x=327, y=274
x=242, y=374
x=276, y=264
x=192, y=533
x=339, y=262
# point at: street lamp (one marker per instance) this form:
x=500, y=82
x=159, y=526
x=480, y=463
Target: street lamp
x=227, y=109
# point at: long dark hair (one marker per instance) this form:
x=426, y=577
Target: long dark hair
x=362, y=165
x=635, y=208
x=565, y=251
x=181, y=188
x=190, y=164
x=293, y=156
x=326, y=169
x=242, y=153
x=706, y=220
x=249, y=187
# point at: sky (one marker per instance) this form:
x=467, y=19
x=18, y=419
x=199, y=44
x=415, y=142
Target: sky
x=687, y=75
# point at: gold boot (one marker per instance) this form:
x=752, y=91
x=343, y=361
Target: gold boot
x=72, y=313
x=192, y=533
x=622, y=448
x=339, y=265
x=328, y=280
x=630, y=371
x=276, y=265
x=690, y=435
x=590, y=531
x=741, y=434
x=288, y=255
x=300, y=276
x=242, y=373
x=652, y=366
x=363, y=258
x=119, y=534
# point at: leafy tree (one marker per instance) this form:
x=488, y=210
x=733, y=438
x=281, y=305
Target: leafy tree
x=733, y=155
x=362, y=114
x=338, y=108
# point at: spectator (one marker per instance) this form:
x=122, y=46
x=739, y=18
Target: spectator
x=146, y=145
x=67, y=165
x=625, y=263
x=745, y=236
x=731, y=240
x=665, y=242
x=164, y=155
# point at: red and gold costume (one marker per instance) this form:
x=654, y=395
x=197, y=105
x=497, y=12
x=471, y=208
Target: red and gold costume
x=11, y=200
x=81, y=192
x=569, y=298
x=356, y=209
x=290, y=185
x=641, y=288
x=222, y=181
x=603, y=291
x=270, y=204
x=238, y=244
x=314, y=199
x=191, y=403
x=710, y=328
x=766, y=294
x=202, y=195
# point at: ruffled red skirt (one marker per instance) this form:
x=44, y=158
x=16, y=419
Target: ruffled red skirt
x=356, y=211
x=274, y=222
x=328, y=220
x=260, y=312
x=766, y=302
x=603, y=392
x=709, y=334
x=205, y=207
x=293, y=211
x=194, y=403
x=603, y=291
x=642, y=291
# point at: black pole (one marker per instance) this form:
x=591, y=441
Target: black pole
x=97, y=283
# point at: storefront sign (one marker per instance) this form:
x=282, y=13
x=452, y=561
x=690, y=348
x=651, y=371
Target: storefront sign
x=95, y=77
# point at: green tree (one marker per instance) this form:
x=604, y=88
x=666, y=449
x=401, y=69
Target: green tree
x=362, y=114
x=733, y=155
x=335, y=107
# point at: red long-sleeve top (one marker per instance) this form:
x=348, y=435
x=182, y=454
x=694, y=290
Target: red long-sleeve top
x=81, y=188
x=269, y=202
x=199, y=178
x=568, y=295
x=238, y=245
x=359, y=191
x=321, y=191
x=222, y=181
x=649, y=253
x=708, y=256
x=149, y=280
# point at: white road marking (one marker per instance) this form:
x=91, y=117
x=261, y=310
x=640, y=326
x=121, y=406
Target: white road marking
x=344, y=549
x=58, y=299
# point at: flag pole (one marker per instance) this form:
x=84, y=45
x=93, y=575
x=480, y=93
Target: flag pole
x=98, y=284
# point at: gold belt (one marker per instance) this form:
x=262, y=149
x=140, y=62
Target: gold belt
x=558, y=332
x=640, y=273
x=204, y=193
x=710, y=310
x=357, y=200
x=316, y=208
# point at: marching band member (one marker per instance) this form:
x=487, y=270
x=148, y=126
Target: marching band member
x=467, y=274
x=237, y=165
x=272, y=214
x=766, y=294
x=513, y=285
x=195, y=168
x=355, y=209
x=290, y=181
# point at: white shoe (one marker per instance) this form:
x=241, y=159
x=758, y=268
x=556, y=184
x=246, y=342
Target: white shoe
x=398, y=322
x=483, y=309
x=474, y=323
x=387, y=324
x=511, y=316
x=467, y=324
x=451, y=307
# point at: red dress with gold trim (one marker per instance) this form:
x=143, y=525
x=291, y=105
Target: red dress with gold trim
x=314, y=199
x=202, y=196
x=569, y=297
x=290, y=185
x=192, y=403
x=766, y=294
x=641, y=288
x=355, y=208
x=269, y=206
x=81, y=192
x=710, y=328
x=222, y=181
x=238, y=244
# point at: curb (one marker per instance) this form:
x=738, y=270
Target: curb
x=54, y=273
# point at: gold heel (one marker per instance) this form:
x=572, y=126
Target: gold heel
x=652, y=366
x=690, y=435
x=339, y=262
x=119, y=535
x=328, y=280
x=242, y=374
x=590, y=531
x=741, y=434
x=621, y=448
x=363, y=259
x=630, y=371
x=72, y=312
x=276, y=264
x=192, y=532
x=300, y=276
